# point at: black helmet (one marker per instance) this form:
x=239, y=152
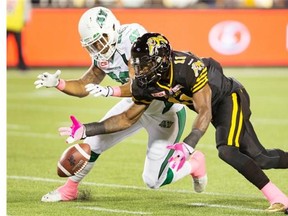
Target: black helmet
x=150, y=57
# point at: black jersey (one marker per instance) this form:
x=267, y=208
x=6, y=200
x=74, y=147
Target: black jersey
x=187, y=75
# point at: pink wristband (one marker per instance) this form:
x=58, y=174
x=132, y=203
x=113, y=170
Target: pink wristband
x=61, y=84
x=116, y=91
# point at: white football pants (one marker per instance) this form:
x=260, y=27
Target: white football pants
x=163, y=129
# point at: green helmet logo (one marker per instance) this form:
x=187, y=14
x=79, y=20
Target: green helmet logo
x=101, y=18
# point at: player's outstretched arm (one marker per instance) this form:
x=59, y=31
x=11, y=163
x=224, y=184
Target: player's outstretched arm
x=122, y=121
x=73, y=87
x=202, y=103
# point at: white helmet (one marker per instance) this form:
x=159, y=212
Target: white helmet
x=98, y=31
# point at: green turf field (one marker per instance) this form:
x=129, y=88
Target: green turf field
x=114, y=186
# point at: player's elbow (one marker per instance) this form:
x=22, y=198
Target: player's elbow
x=75, y=88
x=151, y=182
x=127, y=121
x=82, y=95
x=205, y=115
x=132, y=115
x=209, y=116
x=78, y=94
x=127, y=124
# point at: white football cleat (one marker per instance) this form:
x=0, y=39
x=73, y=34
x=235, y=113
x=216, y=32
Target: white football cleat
x=53, y=196
x=66, y=192
x=62, y=193
x=200, y=183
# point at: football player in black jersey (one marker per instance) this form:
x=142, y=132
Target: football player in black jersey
x=181, y=77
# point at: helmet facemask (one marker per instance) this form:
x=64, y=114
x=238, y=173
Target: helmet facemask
x=101, y=48
x=151, y=56
x=148, y=70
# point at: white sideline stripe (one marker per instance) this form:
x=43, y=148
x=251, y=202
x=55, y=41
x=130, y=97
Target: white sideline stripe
x=77, y=146
x=224, y=206
x=22, y=133
x=115, y=210
x=31, y=178
x=33, y=135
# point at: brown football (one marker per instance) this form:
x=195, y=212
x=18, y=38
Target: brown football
x=73, y=160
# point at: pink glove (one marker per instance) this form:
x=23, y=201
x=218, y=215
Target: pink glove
x=182, y=152
x=75, y=132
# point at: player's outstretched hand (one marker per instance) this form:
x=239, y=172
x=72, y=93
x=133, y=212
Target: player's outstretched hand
x=180, y=155
x=47, y=80
x=75, y=132
x=98, y=90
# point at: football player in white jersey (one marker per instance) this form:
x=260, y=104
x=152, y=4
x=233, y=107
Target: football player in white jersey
x=109, y=45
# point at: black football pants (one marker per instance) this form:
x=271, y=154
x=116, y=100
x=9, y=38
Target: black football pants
x=237, y=142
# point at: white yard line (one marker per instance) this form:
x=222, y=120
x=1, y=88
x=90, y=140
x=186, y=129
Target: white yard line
x=115, y=210
x=33, y=134
x=121, y=211
x=238, y=208
x=31, y=178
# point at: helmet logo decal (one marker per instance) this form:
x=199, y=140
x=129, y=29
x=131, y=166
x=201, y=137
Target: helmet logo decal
x=154, y=43
x=101, y=18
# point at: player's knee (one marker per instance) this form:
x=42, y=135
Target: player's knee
x=150, y=182
x=224, y=152
x=266, y=161
x=235, y=158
